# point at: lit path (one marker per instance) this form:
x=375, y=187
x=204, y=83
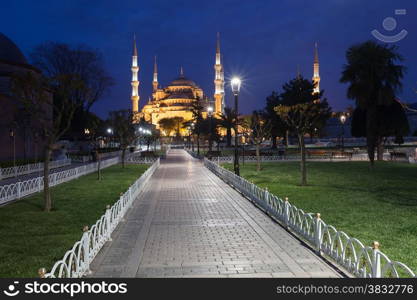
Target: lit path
x=189, y=223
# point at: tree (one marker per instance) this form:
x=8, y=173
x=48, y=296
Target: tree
x=374, y=78
x=58, y=59
x=49, y=104
x=197, y=110
x=178, y=125
x=302, y=111
x=168, y=125
x=227, y=121
x=278, y=127
x=124, y=129
x=260, y=129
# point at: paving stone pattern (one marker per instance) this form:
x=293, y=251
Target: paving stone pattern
x=189, y=223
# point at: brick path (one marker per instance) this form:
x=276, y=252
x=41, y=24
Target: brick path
x=189, y=223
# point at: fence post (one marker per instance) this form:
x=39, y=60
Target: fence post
x=86, y=245
x=18, y=189
x=42, y=272
x=286, y=212
x=376, y=260
x=108, y=223
x=317, y=233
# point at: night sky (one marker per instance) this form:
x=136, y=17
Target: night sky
x=261, y=41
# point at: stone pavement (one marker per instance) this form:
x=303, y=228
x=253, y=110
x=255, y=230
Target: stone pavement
x=189, y=223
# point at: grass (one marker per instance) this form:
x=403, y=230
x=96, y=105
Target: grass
x=31, y=238
x=370, y=205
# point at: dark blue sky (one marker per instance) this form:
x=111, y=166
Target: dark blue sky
x=262, y=41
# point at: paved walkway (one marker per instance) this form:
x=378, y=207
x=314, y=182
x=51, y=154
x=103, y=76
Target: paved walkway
x=189, y=223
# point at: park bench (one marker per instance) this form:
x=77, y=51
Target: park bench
x=211, y=154
x=317, y=154
x=342, y=154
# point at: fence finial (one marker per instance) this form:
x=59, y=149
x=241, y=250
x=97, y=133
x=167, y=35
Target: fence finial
x=375, y=245
x=286, y=199
x=85, y=228
x=108, y=206
x=42, y=272
x=318, y=215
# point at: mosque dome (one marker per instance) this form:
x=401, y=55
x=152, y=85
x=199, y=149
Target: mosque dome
x=183, y=81
x=9, y=52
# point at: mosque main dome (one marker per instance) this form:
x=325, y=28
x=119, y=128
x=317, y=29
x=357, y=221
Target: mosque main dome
x=9, y=52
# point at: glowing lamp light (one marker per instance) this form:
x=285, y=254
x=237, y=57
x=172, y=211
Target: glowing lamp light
x=343, y=119
x=235, y=83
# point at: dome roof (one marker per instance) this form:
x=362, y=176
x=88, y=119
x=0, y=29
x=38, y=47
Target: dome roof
x=182, y=80
x=9, y=52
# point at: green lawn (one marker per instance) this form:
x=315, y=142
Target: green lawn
x=370, y=205
x=31, y=238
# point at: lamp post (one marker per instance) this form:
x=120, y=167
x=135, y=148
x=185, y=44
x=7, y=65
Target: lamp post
x=343, y=120
x=110, y=132
x=12, y=137
x=192, y=140
x=235, y=83
x=209, y=112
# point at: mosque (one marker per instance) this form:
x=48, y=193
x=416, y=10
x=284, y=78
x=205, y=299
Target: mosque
x=16, y=138
x=178, y=97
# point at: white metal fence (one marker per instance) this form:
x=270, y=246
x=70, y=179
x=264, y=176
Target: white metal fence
x=277, y=158
x=348, y=252
x=31, y=168
x=24, y=188
x=76, y=262
x=137, y=159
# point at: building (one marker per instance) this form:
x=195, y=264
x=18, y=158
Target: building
x=16, y=139
x=178, y=97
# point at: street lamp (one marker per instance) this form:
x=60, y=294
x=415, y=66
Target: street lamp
x=210, y=111
x=12, y=137
x=110, y=132
x=343, y=120
x=192, y=140
x=235, y=83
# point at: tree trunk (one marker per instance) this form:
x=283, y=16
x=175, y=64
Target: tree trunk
x=258, y=158
x=98, y=156
x=303, y=160
x=229, y=137
x=371, y=138
x=287, y=138
x=46, y=191
x=380, y=149
x=274, y=141
x=198, y=144
x=124, y=155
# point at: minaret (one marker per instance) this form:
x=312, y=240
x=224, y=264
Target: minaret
x=135, y=81
x=316, y=74
x=155, y=76
x=218, y=81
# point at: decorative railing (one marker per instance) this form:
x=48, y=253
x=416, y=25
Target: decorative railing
x=31, y=168
x=345, y=251
x=76, y=262
x=24, y=188
x=271, y=158
x=137, y=159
